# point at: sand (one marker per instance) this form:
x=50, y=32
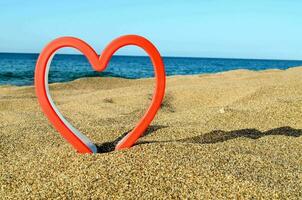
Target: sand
x=235, y=134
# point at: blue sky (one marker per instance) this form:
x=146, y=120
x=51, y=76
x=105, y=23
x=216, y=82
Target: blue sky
x=208, y=28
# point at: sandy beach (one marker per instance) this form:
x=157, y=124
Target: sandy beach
x=236, y=134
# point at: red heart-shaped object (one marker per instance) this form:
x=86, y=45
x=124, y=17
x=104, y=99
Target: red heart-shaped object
x=79, y=141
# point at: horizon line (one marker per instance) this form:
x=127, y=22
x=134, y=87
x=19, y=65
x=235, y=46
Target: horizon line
x=193, y=57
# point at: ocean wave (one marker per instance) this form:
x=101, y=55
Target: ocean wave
x=16, y=75
x=19, y=69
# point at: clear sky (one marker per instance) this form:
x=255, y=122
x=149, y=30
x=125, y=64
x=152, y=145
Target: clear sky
x=201, y=28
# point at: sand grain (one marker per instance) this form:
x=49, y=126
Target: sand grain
x=229, y=135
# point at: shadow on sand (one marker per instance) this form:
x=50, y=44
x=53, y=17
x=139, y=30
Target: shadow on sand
x=211, y=137
x=109, y=146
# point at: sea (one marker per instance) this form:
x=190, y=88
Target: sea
x=18, y=68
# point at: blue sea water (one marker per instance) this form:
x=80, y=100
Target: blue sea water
x=18, y=69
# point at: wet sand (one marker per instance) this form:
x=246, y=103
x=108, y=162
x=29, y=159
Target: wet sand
x=235, y=134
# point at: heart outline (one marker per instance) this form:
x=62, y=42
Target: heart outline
x=99, y=63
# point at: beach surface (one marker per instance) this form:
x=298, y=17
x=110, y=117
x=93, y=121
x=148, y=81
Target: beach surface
x=236, y=134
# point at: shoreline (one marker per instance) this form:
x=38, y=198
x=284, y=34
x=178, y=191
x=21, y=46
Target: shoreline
x=168, y=76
